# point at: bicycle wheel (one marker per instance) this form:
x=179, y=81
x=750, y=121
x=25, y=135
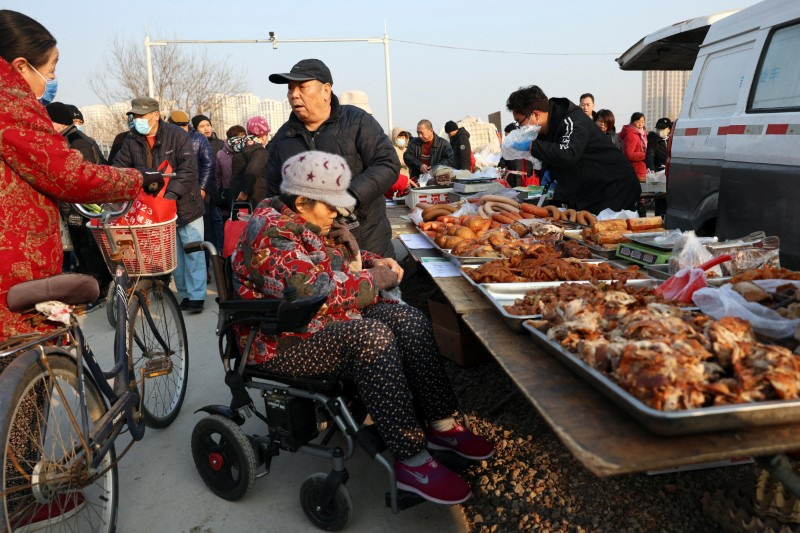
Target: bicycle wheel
x=111, y=304
x=166, y=374
x=47, y=481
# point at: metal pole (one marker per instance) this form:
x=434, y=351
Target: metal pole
x=150, y=90
x=388, y=80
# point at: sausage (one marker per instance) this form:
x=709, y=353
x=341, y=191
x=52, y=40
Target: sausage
x=540, y=212
x=431, y=214
x=553, y=212
x=450, y=219
x=502, y=219
x=514, y=215
x=580, y=218
x=423, y=205
x=482, y=212
x=591, y=220
x=500, y=199
x=525, y=214
x=570, y=214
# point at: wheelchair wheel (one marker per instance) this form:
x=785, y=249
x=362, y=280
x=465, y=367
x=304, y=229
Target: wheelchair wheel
x=166, y=374
x=332, y=517
x=224, y=457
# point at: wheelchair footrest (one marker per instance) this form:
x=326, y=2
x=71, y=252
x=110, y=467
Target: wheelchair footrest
x=370, y=440
x=405, y=499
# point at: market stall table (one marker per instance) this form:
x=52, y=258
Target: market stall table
x=605, y=439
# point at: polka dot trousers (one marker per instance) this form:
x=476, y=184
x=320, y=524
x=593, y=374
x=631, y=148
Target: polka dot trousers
x=391, y=356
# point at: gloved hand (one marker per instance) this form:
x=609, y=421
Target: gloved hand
x=341, y=235
x=152, y=181
x=523, y=146
x=384, y=277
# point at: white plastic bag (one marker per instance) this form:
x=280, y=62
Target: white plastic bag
x=609, y=214
x=689, y=251
x=724, y=301
x=415, y=216
x=525, y=133
x=424, y=179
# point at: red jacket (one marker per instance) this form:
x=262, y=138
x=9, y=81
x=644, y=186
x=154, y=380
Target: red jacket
x=279, y=248
x=37, y=168
x=634, y=146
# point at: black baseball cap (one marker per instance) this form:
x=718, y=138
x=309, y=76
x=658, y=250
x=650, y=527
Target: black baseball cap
x=304, y=70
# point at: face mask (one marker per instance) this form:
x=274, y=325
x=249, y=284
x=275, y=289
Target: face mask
x=663, y=133
x=141, y=125
x=80, y=127
x=50, y=88
x=401, y=142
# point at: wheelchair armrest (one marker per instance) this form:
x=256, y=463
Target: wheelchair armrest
x=291, y=316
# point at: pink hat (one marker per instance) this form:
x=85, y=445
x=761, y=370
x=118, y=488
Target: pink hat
x=258, y=126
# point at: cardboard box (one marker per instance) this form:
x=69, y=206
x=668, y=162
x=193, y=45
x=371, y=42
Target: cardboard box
x=456, y=341
x=429, y=195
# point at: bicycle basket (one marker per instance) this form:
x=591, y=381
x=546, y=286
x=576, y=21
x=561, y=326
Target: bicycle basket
x=155, y=244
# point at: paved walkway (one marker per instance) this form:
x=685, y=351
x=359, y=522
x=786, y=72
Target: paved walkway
x=160, y=490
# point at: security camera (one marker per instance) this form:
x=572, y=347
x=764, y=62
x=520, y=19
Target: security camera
x=272, y=35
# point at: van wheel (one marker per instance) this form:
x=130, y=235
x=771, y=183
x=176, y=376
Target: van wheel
x=709, y=229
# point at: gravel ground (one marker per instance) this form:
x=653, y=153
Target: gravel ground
x=534, y=483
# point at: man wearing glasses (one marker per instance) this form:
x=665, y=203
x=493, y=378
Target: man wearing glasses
x=592, y=174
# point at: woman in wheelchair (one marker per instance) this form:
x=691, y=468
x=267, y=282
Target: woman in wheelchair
x=386, y=348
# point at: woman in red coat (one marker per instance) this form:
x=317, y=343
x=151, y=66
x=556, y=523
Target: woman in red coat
x=634, y=144
x=37, y=168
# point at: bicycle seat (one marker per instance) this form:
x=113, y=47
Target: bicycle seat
x=72, y=289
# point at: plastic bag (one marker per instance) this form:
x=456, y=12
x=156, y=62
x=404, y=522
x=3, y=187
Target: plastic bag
x=724, y=301
x=424, y=179
x=525, y=133
x=609, y=214
x=750, y=252
x=683, y=285
x=689, y=251
x=415, y=216
x=466, y=209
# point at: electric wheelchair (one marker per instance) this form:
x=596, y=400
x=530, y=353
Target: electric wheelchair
x=296, y=412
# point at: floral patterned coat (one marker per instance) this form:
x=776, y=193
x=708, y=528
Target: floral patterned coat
x=277, y=249
x=37, y=169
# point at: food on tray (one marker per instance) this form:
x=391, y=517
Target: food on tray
x=585, y=218
x=437, y=210
x=609, y=233
x=666, y=357
x=785, y=300
x=547, y=232
x=766, y=272
x=543, y=263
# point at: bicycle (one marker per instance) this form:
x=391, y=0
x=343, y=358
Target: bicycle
x=61, y=417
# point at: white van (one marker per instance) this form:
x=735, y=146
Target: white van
x=734, y=164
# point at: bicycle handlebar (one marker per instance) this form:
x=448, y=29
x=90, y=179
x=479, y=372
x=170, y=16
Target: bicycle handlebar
x=106, y=212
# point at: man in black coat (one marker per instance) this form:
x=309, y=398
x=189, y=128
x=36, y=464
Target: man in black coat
x=154, y=144
x=592, y=173
x=459, y=142
x=318, y=122
x=427, y=150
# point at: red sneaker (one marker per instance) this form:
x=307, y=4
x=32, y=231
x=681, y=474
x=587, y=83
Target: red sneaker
x=433, y=482
x=462, y=441
x=63, y=506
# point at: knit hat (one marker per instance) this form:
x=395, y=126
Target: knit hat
x=450, y=126
x=319, y=176
x=59, y=113
x=663, y=123
x=197, y=119
x=76, y=113
x=258, y=126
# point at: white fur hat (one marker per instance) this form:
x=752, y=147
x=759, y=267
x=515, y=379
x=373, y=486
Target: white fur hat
x=319, y=176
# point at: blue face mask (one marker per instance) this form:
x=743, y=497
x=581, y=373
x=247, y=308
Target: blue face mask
x=80, y=127
x=50, y=88
x=141, y=125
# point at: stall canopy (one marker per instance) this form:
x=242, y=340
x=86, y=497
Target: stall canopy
x=672, y=48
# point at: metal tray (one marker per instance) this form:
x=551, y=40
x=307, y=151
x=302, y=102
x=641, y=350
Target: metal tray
x=596, y=250
x=689, y=421
x=499, y=299
x=524, y=286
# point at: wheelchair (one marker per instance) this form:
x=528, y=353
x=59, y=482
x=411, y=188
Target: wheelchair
x=297, y=410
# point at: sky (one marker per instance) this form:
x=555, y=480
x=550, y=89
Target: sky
x=567, y=48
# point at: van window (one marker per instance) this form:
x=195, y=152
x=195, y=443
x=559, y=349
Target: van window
x=720, y=81
x=777, y=83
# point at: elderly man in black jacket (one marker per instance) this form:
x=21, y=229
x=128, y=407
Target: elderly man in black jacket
x=154, y=144
x=592, y=172
x=427, y=150
x=318, y=122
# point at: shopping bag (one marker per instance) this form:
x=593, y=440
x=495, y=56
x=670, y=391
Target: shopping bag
x=234, y=227
x=147, y=209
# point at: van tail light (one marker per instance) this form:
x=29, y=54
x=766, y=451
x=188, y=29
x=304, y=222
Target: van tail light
x=669, y=150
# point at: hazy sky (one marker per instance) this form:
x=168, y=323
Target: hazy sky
x=427, y=82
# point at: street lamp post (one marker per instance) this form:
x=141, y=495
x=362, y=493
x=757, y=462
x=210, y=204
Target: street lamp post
x=274, y=40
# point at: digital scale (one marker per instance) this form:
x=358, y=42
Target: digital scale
x=643, y=254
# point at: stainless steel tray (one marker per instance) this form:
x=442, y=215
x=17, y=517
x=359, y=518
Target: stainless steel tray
x=524, y=286
x=499, y=299
x=597, y=250
x=689, y=421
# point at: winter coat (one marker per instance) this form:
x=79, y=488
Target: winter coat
x=249, y=173
x=278, y=248
x=87, y=146
x=355, y=135
x=205, y=160
x=462, y=151
x=441, y=154
x=174, y=146
x=37, y=169
x=614, y=138
x=592, y=174
x=634, y=146
x=656, y=157
x=222, y=176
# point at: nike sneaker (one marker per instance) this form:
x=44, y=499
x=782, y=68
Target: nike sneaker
x=433, y=482
x=462, y=441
